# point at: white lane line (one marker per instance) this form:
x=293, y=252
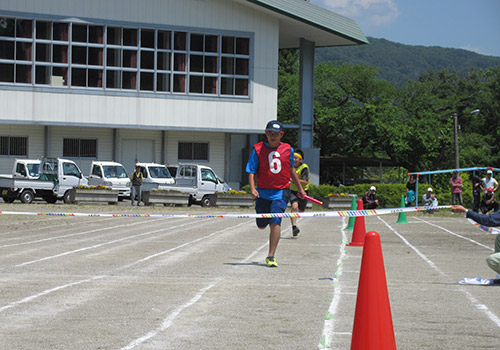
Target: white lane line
x=419, y=253
x=35, y=296
x=180, y=246
x=456, y=234
x=255, y=252
x=99, y=245
x=42, y=228
x=72, y=234
x=329, y=324
x=45, y=292
x=481, y=307
x=169, y=320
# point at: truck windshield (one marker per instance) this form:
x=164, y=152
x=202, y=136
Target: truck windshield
x=159, y=172
x=208, y=175
x=33, y=169
x=114, y=172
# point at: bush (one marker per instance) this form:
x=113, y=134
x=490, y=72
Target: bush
x=389, y=195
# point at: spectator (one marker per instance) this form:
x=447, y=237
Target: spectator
x=370, y=200
x=429, y=200
x=489, y=181
x=492, y=220
x=456, y=188
x=411, y=189
x=476, y=190
x=136, y=178
x=489, y=201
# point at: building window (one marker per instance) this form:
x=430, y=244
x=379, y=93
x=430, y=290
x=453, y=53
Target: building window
x=80, y=148
x=65, y=54
x=14, y=146
x=193, y=151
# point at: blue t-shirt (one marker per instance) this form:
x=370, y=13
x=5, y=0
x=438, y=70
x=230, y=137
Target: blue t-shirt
x=253, y=166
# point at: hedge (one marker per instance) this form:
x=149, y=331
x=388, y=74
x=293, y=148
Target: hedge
x=389, y=195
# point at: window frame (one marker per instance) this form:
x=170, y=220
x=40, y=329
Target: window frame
x=78, y=143
x=8, y=139
x=171, y=76
x=193, y=157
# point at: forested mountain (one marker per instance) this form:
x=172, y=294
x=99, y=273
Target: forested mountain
x=398, y=62
x=411, y=122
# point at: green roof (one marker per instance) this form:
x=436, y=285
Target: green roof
x=299, y=18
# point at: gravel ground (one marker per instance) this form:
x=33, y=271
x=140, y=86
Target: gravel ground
x=184, y=283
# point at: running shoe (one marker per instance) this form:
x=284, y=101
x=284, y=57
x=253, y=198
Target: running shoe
x=271, y=261
x=295, y=231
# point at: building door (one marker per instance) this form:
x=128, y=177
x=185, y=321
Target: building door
x=136, y=150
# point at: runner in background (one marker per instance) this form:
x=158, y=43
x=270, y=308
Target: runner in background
x=299, y=204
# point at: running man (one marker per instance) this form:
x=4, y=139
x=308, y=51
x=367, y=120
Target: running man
x=269, y=169
x=299, y=204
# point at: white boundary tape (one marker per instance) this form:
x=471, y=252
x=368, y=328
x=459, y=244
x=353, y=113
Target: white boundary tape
x=320, y=214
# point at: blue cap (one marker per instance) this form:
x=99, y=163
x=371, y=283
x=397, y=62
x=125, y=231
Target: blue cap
x=274, y=125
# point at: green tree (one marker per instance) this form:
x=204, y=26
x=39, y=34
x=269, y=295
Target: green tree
x=358, y=115
x=347, y=101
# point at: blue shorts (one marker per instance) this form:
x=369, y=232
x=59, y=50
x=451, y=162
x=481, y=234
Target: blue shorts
x=271, y=206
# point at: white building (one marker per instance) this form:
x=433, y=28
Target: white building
x=161, y=81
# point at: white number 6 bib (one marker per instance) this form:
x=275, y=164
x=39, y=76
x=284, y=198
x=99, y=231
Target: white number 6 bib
x=274, y=163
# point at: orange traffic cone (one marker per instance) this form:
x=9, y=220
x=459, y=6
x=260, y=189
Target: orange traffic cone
x=373, y=329
x=358, y=234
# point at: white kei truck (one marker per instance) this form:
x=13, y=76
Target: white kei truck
x=26, y=168
x=55, y=180
x=156, y=176
x=112, y=175
x=200, y=182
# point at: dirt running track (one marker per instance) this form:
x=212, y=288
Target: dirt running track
x=144, y=283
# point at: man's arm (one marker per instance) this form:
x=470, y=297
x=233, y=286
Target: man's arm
x=251, y=182
x=251, y=169
x=492, y=220
x=482, y=185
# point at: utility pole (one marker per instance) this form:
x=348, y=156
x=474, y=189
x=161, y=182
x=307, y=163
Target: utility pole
x=455, y=127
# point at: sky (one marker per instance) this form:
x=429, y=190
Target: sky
x=472, y=25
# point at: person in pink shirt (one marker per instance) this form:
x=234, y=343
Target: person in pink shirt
x=456, y=188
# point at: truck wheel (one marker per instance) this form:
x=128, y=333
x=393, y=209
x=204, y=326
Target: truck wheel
x=68, y=198
x=26, y=196
x=205, y=201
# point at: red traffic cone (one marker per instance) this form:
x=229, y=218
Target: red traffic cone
x=358, y=234
x=373, y=329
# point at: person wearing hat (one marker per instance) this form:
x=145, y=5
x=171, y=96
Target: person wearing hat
x=270, y=168
x=429, y=200
x=489, y=181
x=489, y=201
x=136, y=178
x=370, y=199
x=456, y=188
x=299, y=204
